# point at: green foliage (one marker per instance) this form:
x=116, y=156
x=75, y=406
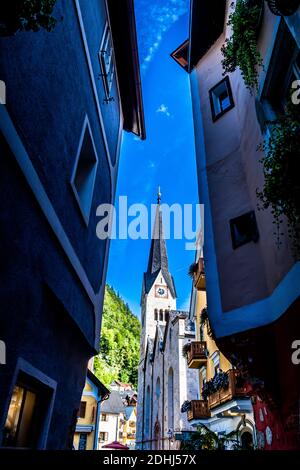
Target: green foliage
x=281, y=166
x=240, y=50
x=205, y=439
x=204, y=321
x=26, y=15
x=119, y=343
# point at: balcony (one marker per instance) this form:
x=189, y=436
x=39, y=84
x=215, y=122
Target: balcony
x=197, y=354
x=199, y=410
x=235, y=390
x=196, y=271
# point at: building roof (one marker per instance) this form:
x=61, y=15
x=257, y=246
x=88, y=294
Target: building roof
x=207, y=20
x=114, y=404
x=103, y=391
x=158, y=258
x=123, y=27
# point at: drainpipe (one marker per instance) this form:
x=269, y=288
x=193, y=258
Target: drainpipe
x=163, y=403
x=96, y=432
x=143, y=402
x=151, y=420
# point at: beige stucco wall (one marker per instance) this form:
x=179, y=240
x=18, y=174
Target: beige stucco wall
x=251, y=272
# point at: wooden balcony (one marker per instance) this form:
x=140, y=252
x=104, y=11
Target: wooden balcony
x=199, y=276
x=234, y=390
x=199, y=410
x=196, y=356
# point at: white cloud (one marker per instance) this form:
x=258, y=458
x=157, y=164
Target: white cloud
x=163, y=109
x=155, y=19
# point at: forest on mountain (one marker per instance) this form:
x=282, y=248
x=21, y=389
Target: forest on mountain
x=119, y=342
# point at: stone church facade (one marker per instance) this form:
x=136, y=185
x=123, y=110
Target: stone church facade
x=164, y=381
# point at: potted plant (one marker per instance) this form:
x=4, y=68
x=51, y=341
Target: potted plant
x=281, y=167
x=240, y=50
x=206, y=439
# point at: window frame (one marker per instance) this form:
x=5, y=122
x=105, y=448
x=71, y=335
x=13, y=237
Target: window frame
x=85, y=128
x=80, y=416
x=265, y=106
x=105, y=73
x=216, y=116
x=254, y=236
x=105, y=433
x=25, y=370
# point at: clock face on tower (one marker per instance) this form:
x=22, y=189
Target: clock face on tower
x=161, y=291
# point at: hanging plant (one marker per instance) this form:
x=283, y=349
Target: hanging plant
x=26, y=15
x=193, y=269
x=186, y=406
x=204, y=321
x=281, y=167
x=185, y=349
x=240, y=50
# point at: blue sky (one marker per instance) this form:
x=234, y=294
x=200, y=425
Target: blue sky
x=166, y=157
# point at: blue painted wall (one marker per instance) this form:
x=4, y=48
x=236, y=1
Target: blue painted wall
x=46, y=316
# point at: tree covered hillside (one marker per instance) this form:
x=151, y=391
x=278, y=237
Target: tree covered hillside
x=119, y=343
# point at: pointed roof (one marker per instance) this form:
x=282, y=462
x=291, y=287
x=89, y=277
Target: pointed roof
x=158, y=258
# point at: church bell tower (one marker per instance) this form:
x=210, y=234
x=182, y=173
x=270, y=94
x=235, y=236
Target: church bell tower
x=158, y=289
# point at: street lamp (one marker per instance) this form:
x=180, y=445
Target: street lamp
x=170, y=435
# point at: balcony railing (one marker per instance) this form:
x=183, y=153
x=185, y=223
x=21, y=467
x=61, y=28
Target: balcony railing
x=197, y=354
x=234, y=390
x=199, y=410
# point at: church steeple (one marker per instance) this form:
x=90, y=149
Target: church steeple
x=158, y=258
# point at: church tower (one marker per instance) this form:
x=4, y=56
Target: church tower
x=158, y=289
x=158, y=298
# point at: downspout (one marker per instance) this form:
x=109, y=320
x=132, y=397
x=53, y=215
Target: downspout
x=163, y=402
x=151, y=420
x=98, y=410
x=143, y=421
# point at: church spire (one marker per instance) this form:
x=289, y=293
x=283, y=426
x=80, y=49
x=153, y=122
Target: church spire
x=158, y=195
x=158, y=258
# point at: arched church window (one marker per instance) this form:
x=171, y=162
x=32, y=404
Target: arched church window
x=171, y=399
x=147, y=412
x=166, y=315
x=155, y=314
x=157, y=389
x=161, y=315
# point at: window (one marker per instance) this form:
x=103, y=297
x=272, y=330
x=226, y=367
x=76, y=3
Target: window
x=161, y=315
x=221, y=99
x=283, y=70
x=82, y=409
x=103, y=436
x=104, y=417
x=26, y=414
x=84, y=174
x=106, y=59
x=171, y=399
x=215, y=357
x=243, y=229
x=82, y=441
x=155, y=314
x=166, y=315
